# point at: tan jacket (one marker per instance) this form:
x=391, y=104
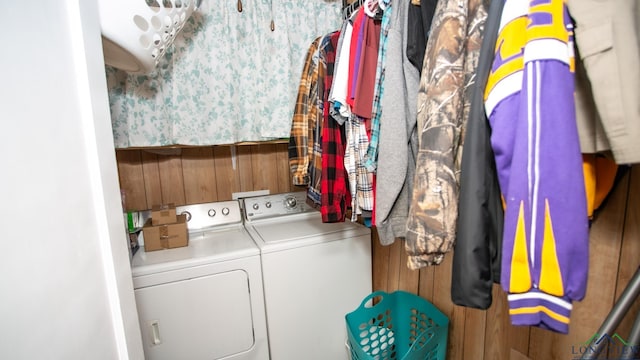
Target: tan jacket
x=608, y=42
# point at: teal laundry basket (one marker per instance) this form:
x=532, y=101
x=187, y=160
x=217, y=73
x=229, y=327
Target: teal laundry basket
x=400, y=326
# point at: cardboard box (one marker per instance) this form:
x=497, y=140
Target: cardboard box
x=163, y=214
x=166, y=236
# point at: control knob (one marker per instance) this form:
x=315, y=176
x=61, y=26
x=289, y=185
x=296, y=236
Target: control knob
x=256, y=206
x=268, y=204
x=211, y=213
x=225, y=211
x=290, y=202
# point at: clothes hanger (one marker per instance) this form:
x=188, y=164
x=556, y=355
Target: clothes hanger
x=349, y=9
x=370, y=7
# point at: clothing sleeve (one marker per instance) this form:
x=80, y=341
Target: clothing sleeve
x=339, y=110
x=398, y=139
x=546, y=237
x=334, y=185
x=416, y=39
x=608, y=40
x=371, y=158
x=445, y=76
x=305, y=108
x=476, y=258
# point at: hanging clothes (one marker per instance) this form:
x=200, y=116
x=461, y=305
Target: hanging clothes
x=398, y=142
x=360, y=179
x=608, y=41
x=366, y=79
x=449, y=65
x=314, y=190
x=356, y=62
x=477, y=256
x=340, y=110
x=478, y=247
x=340, y=142
x=305, y=113
x=419, y=21
x=334, y=190
x=355, y=48
x=371, y=157
x=530, y=104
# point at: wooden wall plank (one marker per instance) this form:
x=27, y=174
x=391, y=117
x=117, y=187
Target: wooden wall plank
x=426, y=283
x=227, y=181
x=409, y=280
x=264, y=168
x=131, y=179
x=244, y=171
x=380, y=263
x=502, y=337
x=545, y=344
x=396, y=260
x=198, y=168
x=517, y=355
x=630, y=254
x=284, y=174
x=456, y=314
x=171, y=179
x=474, y=334
x=153, y=190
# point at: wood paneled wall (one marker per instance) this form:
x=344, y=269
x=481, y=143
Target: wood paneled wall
x=477, y=334
x=195, y=175
x=206, y=174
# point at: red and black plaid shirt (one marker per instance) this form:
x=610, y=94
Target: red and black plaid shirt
x=334, y=190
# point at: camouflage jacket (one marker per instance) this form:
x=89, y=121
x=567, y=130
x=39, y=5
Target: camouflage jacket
x=443, y=104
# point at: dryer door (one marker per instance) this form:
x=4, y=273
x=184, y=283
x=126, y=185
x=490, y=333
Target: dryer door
x=207, y=317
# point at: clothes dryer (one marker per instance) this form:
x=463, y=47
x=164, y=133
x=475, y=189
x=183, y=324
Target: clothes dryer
x=314, y=273
x=203, y=301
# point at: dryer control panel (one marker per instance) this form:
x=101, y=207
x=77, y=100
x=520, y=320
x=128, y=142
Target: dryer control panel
x=208, y=215
x=262, y=207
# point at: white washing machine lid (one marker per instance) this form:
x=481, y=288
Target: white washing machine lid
x=204, y=248
x=291, y=231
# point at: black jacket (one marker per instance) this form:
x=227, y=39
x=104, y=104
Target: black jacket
x=476, y=257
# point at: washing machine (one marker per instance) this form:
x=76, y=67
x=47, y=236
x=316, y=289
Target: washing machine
x=205, y=300
x=314, y=273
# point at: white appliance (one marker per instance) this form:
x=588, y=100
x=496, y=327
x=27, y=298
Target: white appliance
x=203, y=301
x=314, y=274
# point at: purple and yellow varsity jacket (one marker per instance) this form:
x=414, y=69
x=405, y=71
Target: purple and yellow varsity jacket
x=530, y=105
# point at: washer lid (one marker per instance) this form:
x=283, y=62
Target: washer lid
x=293, y=231
x=204, y=248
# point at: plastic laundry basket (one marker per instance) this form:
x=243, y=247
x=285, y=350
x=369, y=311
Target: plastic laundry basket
x=136, y=33
x=401, y=326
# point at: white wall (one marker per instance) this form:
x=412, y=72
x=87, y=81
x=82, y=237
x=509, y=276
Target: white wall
x=65, y=281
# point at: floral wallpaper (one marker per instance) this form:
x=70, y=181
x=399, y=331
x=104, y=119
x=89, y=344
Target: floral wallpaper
x=227, y=78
